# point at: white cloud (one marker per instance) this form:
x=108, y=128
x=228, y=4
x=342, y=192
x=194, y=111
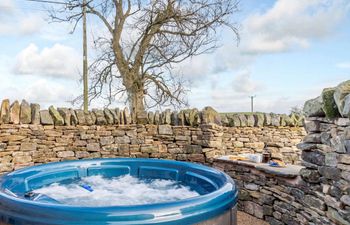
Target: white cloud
x=292, y=23
x=48, y=92
x=285, y=26
x=243, y=83
x=57, y=61
x=6, y=6
x=30, y=25
x=343, y=65
x=14, y=21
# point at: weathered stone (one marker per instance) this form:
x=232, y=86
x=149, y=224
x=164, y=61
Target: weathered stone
x=73, y=117
x=186, y=113
x=193, y=149
x=122, y=140
x=259, y=120
x=315, y=202
x=127, y=116
x=328, y=103
x=314, y=157
x=100, y=117
x=309, y=175
x=346, y=109
x=56, y=116
x=165, y=130
x=254, y=209
x=109, y=116
x=297, y=119
x=25, y=116
x=313, y=138
x=14, y=112
x=329, y=172
x=106, y=140
x=267, y=117
x=28, y=146
x=45, y=117
x=121, y=117
x=80, y=116
x=313, y=107
x=151, y=117
x=166, y=117
x=93, y=147
x=234, y=121
x=251, y=186
x=66, y=115
x=90, y=118
x=331, y=159
x=243, y=120
x=210, y=115
x=65, y=154
x=344, y=158
x=195, y=118
x=174, y=119
x=5, y=111
x=224, y=120
x=250, y=120
x=157, y=118
x=35, y=108
x=115, y=115
x=142, y=118
x=345, y=199
x=336, y=217
x=312, y=125
x=338, y=144
x=341, y=91
x=275, y=120
x=273, y=221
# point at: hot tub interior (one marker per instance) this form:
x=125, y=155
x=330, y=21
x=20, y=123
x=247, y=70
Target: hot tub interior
x=90, y=183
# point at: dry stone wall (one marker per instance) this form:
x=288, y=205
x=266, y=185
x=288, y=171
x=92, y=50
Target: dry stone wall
x=29, y=144
x=29, y=136
x=316, y=193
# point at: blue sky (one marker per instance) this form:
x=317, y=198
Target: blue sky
x=289, y=51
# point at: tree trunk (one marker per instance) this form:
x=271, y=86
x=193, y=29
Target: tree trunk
x=136, y=99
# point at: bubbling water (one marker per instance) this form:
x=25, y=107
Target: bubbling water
x=123, y=190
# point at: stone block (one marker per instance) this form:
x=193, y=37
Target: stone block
x=14, y=112
x=93, y=147
x=165, y=130
x=45, y=117
x=25, y=116
x=56, y=116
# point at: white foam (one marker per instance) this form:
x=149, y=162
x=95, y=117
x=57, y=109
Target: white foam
x=124, y=190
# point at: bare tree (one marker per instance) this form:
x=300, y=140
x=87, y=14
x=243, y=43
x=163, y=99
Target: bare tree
x=145, y=39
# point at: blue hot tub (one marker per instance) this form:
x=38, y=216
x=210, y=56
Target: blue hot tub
x=215, y=204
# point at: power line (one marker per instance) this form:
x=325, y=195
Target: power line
x=48, y=1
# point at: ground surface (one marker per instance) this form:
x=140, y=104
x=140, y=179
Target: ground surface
x=246, y=219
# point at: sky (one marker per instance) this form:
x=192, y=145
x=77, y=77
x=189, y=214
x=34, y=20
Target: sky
x=289, y=50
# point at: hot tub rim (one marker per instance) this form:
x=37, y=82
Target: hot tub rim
x=228, y=189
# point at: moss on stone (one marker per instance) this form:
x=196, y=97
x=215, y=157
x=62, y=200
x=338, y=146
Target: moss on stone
x=328, y=103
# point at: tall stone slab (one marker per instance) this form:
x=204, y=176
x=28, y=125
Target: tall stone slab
x=45, y=117
x=14, y=112
x=26, y=113
x=35, y=108
x=56, y=116
x=5, y=111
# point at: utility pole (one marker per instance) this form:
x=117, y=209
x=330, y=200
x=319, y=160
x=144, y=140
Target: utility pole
x=85, y=63
x=252, y=102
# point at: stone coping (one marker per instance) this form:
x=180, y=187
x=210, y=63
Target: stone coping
x=290, y=171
